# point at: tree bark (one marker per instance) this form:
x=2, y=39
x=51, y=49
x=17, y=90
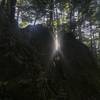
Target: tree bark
x=2, y=3
x=11, y=10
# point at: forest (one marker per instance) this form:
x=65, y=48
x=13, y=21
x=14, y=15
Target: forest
x=49, y=49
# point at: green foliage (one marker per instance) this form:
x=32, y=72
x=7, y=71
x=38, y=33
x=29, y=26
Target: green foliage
x=23, y=24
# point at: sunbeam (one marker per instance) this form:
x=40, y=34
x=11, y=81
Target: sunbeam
x=57, y=44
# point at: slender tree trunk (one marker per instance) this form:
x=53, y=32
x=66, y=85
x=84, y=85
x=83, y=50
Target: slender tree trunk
x=79, y=27
x=99, y=43
x=18, y=12
x=2, y=3
x=11, y=10
x=93, y=43
x=51, y=14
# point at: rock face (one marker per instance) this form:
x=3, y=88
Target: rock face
x=28, y=47
x=75, y=75
x=24, y=57
x=26, y=66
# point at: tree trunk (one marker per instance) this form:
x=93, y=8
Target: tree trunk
x=2, y=3
x=51, y=14
x=11, y=10
x=93, y=43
